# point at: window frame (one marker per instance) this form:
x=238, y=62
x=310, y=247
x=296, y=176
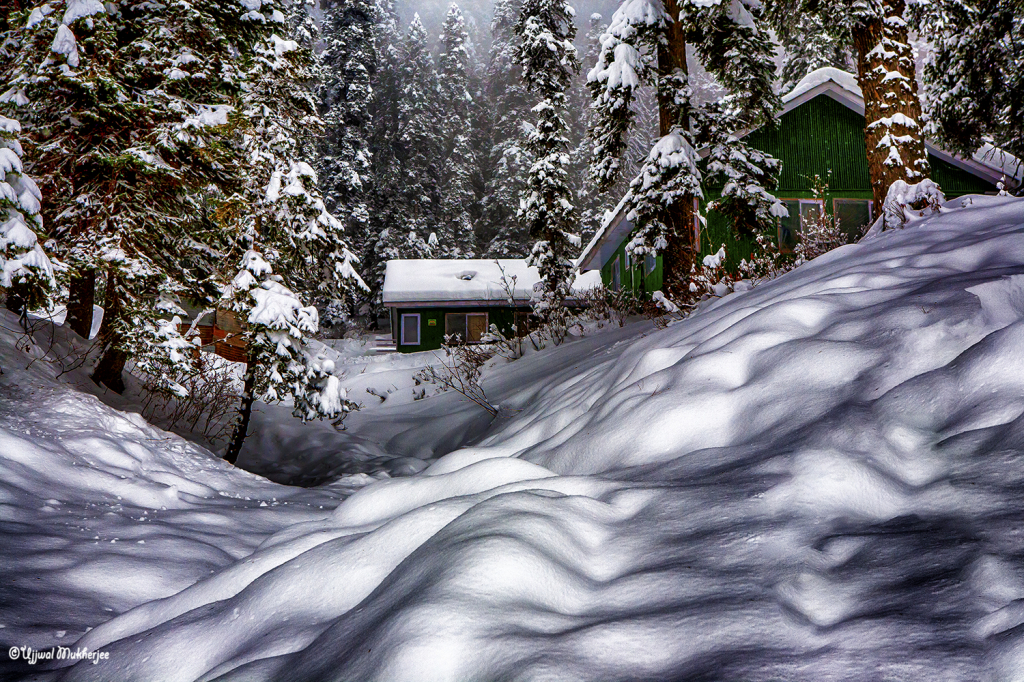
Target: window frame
x=616, y=283
x=799, y=208
x=403, y=335
x=487, y=323
x=869, y=202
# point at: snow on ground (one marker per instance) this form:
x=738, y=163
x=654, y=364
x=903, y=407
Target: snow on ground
x=819, y=478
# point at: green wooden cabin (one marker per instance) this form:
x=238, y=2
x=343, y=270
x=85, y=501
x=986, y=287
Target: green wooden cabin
x=820, y=132
x=429, y=299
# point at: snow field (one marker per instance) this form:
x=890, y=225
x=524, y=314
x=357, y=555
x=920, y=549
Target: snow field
x=818, y=478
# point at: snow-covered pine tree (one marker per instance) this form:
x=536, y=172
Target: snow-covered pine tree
x=506, y=95
x=549, y=62
x=740, y=56
x=419, y=141
x=283, y=223
x=455, y=229
x=646, y=43
x=349, y=61
x=26, y=273
x=807, y=45
x=974, y=77
x=126, y=107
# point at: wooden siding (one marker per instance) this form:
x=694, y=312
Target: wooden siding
x=819, y=136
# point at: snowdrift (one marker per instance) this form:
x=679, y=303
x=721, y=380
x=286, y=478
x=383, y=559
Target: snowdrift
x=819, y=478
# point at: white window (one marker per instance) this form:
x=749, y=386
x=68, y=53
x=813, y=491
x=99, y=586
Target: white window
x=411, y=329
x=651, y=262
x=616, y=274
x=467, y=327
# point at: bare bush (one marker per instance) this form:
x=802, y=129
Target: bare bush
x=197, y=397
x=459, y=371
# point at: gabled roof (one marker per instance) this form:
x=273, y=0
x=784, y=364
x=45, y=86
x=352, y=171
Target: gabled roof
x=830, y=82
x=464, y=282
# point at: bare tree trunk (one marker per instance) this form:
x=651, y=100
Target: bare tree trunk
x=81, y=297
x=678, y=255
x=241, y=429
x=111, y=364
x=892, y=107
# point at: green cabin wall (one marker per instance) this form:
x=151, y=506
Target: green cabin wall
x=431, y=337
x=815, y=138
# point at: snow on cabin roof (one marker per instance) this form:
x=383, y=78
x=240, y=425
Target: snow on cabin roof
x=465, y=282
x=847, y=81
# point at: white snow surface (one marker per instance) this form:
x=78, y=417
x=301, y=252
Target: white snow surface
x=818, y=478
x=425, y=280
x=847, y=81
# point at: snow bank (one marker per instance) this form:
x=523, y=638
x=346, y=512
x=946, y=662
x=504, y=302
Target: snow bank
x=815, y=478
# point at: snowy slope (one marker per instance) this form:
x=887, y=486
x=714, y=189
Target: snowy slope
x=820, y=478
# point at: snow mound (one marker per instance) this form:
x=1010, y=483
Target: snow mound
x=819, y=475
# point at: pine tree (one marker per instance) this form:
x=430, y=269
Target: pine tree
x=124, y=176
x=646, y=44
x=288, y=236
x=26, y=273
x=549, y=62
x=455, y=228
x=349, y=62
x=506, y=95
x=419, y=147
x=807, y=45
x=974, y=77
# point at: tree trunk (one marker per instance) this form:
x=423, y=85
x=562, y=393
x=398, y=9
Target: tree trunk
x=241, y=429
x=111, y=365
x=678, y=254
x=892, y=107
x=81, y=297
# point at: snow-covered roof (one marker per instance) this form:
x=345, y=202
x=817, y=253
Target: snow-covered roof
x=1001, y=161
x=845, y=80
x=465, y=282
x=610, y=217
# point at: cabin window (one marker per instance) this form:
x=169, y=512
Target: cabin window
x=411, y=329
x=465, y=327
x=800, y=211
x=650, y=262
x=854, y=216
x=616, y=274
x=524, y=324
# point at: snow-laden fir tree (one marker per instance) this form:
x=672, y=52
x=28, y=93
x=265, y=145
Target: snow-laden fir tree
x=748, y=176
x=455, y=228
x=419, y=142
x=549, y=62
x=974, y=76
x=349, y=60
x=26, y=273
x=509, y=103
x=808, y=45
x=127, y=109
x=286, y=237
x=646, y=43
